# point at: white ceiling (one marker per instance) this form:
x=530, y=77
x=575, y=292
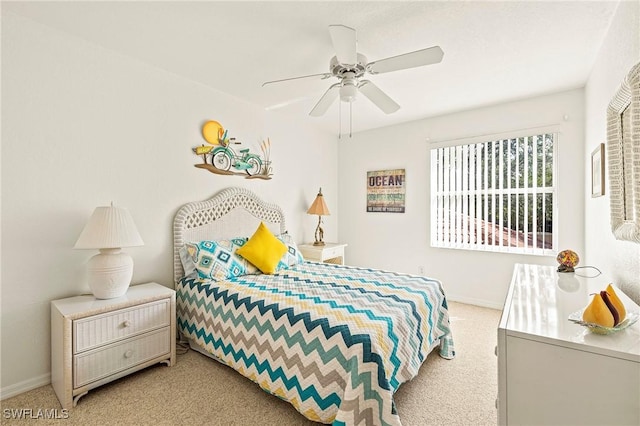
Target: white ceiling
x=494, y=51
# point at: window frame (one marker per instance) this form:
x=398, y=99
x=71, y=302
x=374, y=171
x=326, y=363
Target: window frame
x=461, y=143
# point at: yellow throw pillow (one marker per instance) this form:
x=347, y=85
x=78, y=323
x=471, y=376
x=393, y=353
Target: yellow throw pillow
x=263, y=249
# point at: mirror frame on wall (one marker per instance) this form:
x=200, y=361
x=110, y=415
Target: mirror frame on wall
x=623, y=150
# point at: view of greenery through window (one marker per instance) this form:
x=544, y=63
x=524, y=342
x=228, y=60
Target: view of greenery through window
x=494, y=195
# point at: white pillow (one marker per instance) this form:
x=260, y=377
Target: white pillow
x=188, y=265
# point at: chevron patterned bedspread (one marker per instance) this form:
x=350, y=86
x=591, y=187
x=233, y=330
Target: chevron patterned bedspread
x=335, y=341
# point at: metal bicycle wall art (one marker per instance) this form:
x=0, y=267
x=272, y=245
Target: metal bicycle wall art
x=220, y=156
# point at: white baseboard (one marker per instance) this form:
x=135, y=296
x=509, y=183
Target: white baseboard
x=24, y=386
x=477, y=302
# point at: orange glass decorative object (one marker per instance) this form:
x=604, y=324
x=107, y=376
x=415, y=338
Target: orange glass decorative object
x=568, y=260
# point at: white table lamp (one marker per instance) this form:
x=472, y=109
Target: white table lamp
x=110, y=271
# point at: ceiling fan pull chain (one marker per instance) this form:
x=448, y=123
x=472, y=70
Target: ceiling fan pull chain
x=350, y=118
x=339, y=119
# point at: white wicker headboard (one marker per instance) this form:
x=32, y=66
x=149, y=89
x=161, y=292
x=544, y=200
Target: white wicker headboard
x=233, y=212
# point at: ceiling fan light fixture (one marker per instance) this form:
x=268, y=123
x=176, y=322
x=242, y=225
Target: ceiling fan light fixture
x=348, y=92
x=349, y=87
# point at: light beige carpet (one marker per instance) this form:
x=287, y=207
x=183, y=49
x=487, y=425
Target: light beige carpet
x=200, y=391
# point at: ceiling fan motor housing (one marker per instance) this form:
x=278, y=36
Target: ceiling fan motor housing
x=339, y=69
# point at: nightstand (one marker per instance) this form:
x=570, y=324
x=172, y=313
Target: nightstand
x=95, y=341
x=328, y=253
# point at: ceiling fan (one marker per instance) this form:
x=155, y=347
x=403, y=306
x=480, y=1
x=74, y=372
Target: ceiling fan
x=349, y=67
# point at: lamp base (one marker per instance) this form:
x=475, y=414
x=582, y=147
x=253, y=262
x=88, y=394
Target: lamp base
x=110, y=273
x=319, y=233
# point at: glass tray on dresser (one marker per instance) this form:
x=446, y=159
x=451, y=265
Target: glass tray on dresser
x=631, y=318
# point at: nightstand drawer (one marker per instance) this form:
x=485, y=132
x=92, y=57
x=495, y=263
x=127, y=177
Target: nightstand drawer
x=330, y=253
x=102, y=362
x=106, y=328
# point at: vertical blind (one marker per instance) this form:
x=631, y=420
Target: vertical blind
x=497, y=195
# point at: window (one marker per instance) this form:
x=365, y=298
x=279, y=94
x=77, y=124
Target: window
x=495, y=196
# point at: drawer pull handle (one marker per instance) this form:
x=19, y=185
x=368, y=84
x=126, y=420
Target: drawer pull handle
x=126, y=323
x=128, y=353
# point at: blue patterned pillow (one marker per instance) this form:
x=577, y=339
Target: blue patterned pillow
x=217, y=260
x=292, y=256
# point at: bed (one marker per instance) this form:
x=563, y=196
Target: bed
x=335, y=341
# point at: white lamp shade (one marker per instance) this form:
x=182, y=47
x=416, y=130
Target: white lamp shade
x=109, y=227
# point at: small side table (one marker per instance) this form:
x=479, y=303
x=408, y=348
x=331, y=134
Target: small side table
x=328, y=253
x=95, y=341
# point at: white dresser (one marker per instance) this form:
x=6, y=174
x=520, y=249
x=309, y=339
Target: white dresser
x=554, y=372
x=96, y=341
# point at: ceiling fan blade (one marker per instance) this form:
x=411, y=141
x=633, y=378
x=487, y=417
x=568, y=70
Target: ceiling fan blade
x=428, y=56
x=378, y=97
x=322, y=76
x=325, y=101
x=344, y=44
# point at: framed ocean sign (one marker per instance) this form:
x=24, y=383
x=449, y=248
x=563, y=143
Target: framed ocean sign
x=386, y=191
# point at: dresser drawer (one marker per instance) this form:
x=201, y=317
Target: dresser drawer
x=98, y=330
x=102, y=362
